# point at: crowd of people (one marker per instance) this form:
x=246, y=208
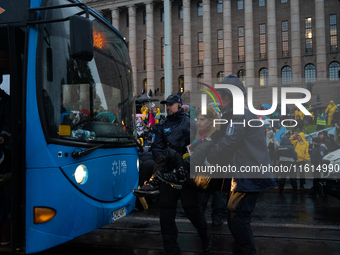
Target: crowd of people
x=187, y=138
x=182, y=139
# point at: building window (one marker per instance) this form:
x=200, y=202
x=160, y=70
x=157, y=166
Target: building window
x=308, y=36
x=285, y=38
x=334, y=71
x=144, y=17
x=181, y=50
x=263, y=41
x=264, y=77
x=145, y=86
x=239, y=4
x=310, y=73
x=219, y=6
x=333, y=33
x=180, y=11
x=162, y=85
x=200, y=79
x=181, y=84
x=286, y=74
x=200, y=48
x=127, y=20
x=284, y=1
x=145, y=59
x=200, y=9
x=242, y=75
x=162, y=14
x=240, y=32
x=128, y=46
x=162, y=52
x=262, y=3
x=220, y=76
x=220, y=46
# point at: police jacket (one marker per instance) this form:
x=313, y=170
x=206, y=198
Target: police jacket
x=175, y=131
x=286, y=151
x=242, y=147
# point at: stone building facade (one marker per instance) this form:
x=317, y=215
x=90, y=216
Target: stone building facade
x=265, y=42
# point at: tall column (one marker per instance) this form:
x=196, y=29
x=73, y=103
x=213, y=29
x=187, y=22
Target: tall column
x=249, y=42
x=207, y=42
x=132, y=44
x=173, y=81
x=272, y=47
x=321, y=67
x=167, y=49
x=187, y=46
x=150, y=73
x=228, y=60
x=295, y=39
x=115, y=18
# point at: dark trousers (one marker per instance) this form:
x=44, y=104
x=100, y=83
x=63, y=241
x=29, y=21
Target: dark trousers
x=168, y=198
x=300, y=165
x=240, y=206
x=291, y=175
x=216, y=204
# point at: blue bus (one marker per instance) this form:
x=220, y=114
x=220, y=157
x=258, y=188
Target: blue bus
x=72, y=151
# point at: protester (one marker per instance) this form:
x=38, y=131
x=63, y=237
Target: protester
x=321, y=121
x=318, y=152
x=273, y=145
x=287, y=156
x=299, y=121
x=298, y=112
x=330, y=111
x=301, y=147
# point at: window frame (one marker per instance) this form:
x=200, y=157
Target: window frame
x=200, y=48
x=308, y=35
x=262, y=41
x=241, y=48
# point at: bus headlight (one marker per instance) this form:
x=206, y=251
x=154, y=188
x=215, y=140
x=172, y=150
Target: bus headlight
x=81, y=174
x=138, y=164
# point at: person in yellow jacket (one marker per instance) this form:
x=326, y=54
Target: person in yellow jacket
x=331, y=108
x=144, y=110
x=299, y=112
x=301, y=147
x=312, y=115
x=158, y=112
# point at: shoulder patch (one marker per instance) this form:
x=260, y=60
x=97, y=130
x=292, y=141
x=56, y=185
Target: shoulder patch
x=166, y=130
x=230, y=129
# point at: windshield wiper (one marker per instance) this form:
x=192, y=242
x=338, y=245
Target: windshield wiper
x=80, y=154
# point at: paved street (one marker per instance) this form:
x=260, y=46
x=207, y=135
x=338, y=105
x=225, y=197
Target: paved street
x=282, y=224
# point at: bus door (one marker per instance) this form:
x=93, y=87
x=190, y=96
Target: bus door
x=12, y=41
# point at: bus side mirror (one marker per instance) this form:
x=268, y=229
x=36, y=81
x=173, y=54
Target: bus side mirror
x=81, y=38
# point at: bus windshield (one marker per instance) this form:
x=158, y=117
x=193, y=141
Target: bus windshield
x=80, y=100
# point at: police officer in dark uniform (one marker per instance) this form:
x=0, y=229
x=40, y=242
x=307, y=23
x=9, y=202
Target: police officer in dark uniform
x=175, y=132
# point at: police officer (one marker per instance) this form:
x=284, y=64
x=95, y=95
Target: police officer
x=175, y=132
x=240, y=145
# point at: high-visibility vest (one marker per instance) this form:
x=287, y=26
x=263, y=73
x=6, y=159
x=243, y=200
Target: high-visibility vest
x=320, y=121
